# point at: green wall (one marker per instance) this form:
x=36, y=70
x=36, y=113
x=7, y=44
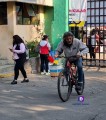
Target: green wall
x=60, y=23
x=48, y=15
x=56, y=21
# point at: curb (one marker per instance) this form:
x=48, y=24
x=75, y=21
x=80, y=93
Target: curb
x=6, y=75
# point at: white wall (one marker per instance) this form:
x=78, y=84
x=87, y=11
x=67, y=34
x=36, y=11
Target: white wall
x=24, y=31
x=5, y=41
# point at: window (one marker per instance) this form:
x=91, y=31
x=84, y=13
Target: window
x=27, y=14
x=3, y=13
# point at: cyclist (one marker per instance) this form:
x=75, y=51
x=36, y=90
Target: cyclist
x=72, y=46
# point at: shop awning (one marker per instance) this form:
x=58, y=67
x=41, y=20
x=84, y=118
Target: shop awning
x=39, y=2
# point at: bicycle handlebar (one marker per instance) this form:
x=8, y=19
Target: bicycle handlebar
x=71, y=58
x=67, y=57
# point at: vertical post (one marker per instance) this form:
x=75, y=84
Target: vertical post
x=67, y=11
x=60, y=23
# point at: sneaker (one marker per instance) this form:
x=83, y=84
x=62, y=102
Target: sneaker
x=25, y=80
x=79, y=86
x=42, y=73
x=47, y=73
x=14, y=82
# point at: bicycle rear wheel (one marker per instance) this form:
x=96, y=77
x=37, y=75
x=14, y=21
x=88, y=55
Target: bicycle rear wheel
x=64, y=86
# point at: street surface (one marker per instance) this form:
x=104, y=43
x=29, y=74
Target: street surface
x=38, y=99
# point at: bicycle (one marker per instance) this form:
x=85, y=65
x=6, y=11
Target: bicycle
x=68, y=78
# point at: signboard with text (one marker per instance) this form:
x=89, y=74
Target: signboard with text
x=77, y=11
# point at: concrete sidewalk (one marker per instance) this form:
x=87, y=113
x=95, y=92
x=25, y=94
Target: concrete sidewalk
x=38, y=99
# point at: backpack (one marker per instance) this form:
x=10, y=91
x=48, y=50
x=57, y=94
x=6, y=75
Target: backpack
x=25, y=55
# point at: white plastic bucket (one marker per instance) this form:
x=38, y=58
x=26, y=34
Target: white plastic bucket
x=55, y=70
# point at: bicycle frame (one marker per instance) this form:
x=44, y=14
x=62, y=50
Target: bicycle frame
x=73, y=69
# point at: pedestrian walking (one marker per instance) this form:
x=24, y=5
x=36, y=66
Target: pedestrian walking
x=19, y=56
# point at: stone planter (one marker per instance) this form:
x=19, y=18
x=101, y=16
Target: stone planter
x=35, y=64
x=28, y=67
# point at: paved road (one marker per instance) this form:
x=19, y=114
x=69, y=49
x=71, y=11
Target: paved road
x=38, y=99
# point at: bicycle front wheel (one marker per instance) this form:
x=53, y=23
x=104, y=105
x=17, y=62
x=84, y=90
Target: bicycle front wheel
x=64, y=86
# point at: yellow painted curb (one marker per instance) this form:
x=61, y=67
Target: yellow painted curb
x=6, y=75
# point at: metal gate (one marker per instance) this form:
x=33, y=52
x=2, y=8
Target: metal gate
x=93, y=34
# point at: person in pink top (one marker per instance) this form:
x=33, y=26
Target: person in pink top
x=19, y=56
x=44, y=52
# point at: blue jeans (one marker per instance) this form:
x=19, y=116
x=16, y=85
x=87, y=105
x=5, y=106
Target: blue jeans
x=78, y=63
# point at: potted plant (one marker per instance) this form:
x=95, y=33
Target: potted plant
x=31, y=45
x=33, y=56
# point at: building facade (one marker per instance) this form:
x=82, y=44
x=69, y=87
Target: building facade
x=24, y=17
